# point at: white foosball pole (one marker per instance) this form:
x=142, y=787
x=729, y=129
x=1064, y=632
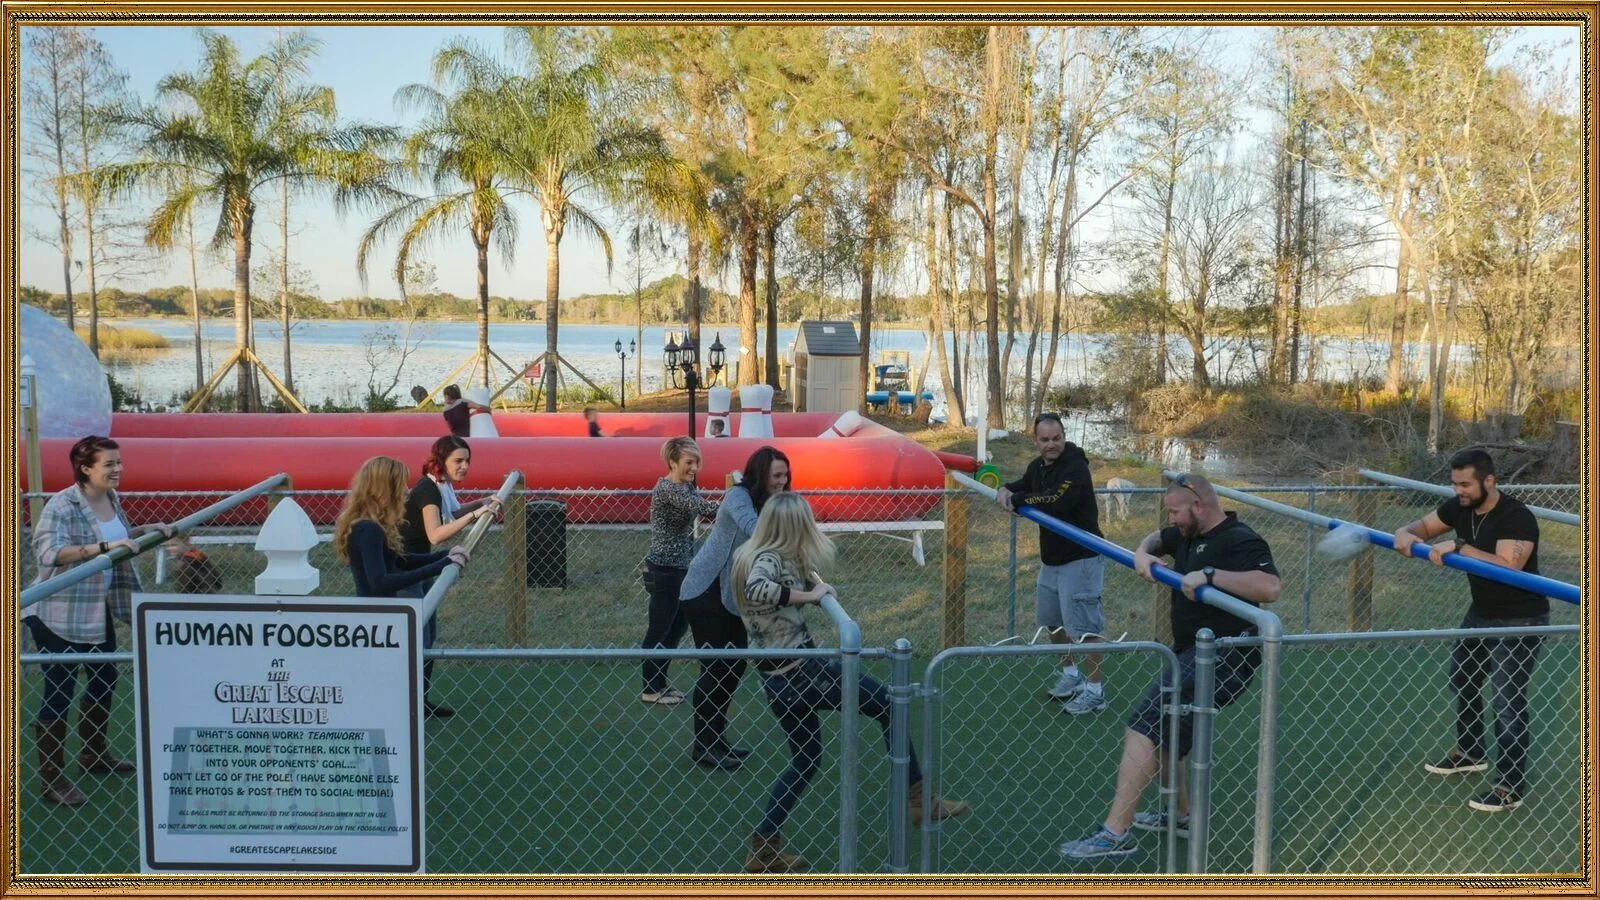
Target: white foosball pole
x=480, y=424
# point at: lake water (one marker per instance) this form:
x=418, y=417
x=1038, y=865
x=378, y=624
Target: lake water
x=338, y=359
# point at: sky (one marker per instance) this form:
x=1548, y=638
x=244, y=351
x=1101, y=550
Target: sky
x=365, y=64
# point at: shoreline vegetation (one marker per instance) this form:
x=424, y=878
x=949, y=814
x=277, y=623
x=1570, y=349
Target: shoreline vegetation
x=1370, y=317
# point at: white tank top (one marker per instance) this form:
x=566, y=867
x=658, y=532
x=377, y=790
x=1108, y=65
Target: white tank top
x=113, y=530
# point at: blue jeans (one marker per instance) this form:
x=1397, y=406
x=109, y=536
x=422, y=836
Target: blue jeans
x=60, y=679
x=794, y=697
x=1508, y=662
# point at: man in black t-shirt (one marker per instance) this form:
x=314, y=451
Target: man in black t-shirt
x=1208, y=547
x=1498, y=529
x=1071, y=577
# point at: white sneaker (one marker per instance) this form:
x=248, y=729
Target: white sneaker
x=1156, y=820
x=1067, y=685
x=1087, y=701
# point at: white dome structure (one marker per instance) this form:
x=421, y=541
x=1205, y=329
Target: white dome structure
x=74, y=396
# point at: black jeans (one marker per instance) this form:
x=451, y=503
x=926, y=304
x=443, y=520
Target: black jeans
x=1508, y=662
x=795, y=697
x=60, y=679
x=665, y=624
x=714, y=628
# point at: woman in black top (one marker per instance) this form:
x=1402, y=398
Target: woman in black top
x=366, y=533
x=675, y=505
x=433, y=515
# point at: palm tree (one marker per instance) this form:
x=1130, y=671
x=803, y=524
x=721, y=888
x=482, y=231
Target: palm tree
x=453, y=151
x=221, y=137
x=561, y=132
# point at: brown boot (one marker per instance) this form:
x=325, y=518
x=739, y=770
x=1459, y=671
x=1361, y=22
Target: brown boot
x=95, y=757
x=768, y=856
x=51, y=737
x=942, y=809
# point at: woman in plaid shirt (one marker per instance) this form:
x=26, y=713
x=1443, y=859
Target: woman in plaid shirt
x=78, y=524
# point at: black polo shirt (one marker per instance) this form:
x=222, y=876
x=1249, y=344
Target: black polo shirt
x=1510, y=520
x=1232, y=546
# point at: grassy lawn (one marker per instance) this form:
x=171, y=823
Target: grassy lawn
x=556, y=767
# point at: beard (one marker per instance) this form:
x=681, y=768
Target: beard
x=1475, y=503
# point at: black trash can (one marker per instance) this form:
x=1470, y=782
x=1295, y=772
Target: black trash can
x=546, y=542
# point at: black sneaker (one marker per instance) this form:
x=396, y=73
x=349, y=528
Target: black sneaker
x=1456, y=763
x=1500, y=799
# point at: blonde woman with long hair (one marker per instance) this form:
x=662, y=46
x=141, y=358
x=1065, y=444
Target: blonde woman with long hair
x=366, y=533
x=775, y=577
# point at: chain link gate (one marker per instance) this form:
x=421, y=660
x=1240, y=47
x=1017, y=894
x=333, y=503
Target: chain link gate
x=1358, y=717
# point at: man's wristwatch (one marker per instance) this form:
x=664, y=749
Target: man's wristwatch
x=1210, y=573
x=1460, y=542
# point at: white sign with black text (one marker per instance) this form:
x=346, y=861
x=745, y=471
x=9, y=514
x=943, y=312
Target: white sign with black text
x=279, y=735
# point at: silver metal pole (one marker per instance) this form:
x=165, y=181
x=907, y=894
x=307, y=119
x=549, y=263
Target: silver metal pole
x=1267, y=751
x=849, y=732
x=1554, y=515
x=101, y=563
x=899, y=754
x=1205, y=710
x=452, y=572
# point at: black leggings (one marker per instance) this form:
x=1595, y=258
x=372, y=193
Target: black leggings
x=714, y=628
x=60, y=679
x=664, y=625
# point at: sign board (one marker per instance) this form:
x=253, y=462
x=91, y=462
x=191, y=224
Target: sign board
x=279, y=735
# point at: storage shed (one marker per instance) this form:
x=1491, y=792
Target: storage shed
x=827, y=368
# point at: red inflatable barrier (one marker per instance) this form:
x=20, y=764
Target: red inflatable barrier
x=226, y=452
x=957, y=461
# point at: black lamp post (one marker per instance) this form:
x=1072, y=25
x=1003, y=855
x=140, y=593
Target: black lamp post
x=622, y=383
x=716, y=358
x=681, y=358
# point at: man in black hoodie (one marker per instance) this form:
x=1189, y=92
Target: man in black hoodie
x=1071, y=577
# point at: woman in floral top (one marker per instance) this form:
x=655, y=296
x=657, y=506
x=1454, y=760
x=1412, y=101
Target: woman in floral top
x=775, y=576
x=675, y=505
x=80, y=523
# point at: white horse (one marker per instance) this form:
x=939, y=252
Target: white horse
x=1118, y=489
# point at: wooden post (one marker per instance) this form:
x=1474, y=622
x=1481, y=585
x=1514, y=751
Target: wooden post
x=955, y=563
x=515, y=576
x=1358, y=579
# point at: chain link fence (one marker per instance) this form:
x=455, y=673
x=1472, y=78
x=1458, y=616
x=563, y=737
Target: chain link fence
x=552, y=764
x=1358, y=717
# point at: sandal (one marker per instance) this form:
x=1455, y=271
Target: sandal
x=668, y=697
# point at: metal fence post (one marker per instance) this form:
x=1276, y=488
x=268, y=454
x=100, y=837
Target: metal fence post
x=1011, y=574
x=1267, y=753
x=849, y=731
x=899, y=753
x=930, y=725
x=1204, y=711
x=955, y=564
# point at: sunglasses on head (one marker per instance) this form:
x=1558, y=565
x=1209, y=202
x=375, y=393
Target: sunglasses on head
x=1047, y=417
x=1184, y=481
